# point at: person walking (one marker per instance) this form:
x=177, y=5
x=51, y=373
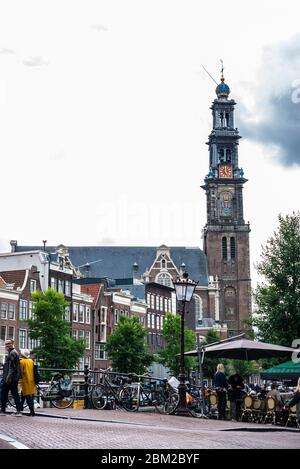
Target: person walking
x=221, y=386
x=11, y=376
x=27, y=382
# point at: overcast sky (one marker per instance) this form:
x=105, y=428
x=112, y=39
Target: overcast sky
x=104, y=115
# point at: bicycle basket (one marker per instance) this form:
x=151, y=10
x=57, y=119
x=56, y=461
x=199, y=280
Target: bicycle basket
x=65, y=387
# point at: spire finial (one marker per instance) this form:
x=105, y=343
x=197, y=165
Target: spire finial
x=222, y=71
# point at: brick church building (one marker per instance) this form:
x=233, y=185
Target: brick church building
x=222, y=299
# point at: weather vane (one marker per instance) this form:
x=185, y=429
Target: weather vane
x=222, y=69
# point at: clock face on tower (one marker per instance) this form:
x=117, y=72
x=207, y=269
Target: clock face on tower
x=225, y=171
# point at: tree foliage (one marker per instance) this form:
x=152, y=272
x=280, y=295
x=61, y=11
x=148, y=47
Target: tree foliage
x=169, y=355
x=57, y=348
x=127, y=348
x=278, y=300
x=210, y=364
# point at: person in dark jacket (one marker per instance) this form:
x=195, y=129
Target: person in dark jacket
x=221, y=386
x=11, y=376
x=235, y=395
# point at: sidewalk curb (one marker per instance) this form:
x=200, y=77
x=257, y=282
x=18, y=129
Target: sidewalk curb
x=125, y=422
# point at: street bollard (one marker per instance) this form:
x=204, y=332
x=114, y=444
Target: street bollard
x=86, y=386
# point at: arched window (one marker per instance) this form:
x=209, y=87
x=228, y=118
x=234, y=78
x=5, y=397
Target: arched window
x=163, y=263
x=224, y=248
x=164, y=279
x=227, y=119
x=232, y=248
x=198, y=310
x=228, y=155
x=221, y=155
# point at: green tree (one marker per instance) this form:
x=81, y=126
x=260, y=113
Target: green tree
x=278, y=300
x=127, y=348
x=242, y=367
x=57, y=349
x=169, y=356
x=210, y=364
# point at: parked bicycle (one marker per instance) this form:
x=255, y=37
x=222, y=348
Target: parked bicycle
x=109, y=395
x=147, y=392
x=59, y=392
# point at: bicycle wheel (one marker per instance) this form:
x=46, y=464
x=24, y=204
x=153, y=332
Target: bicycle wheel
x=59, y=401
x=99, y=397
x=129, y=398
x=159, y=401
x=171, y=403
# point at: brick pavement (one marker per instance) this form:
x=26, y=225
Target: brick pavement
x=120, y=430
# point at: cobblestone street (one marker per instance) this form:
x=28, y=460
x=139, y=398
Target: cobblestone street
x=122, y=430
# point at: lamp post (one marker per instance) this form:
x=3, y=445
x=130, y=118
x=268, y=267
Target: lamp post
x=184, y=288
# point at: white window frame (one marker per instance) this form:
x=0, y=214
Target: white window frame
x=81, y=313
x=23, y=345
x=53, y=283
x=152, y=321
x=8, y=335
x=68, y=313
x=30, y=308
x=12, y=317
x=100, y=353
x=75, y=312
x=117, y=316
x=32, y=285
x=60, y=285
x=88, y=315
x=164, y=278
x=162, y=322
x=149, y=320
x=75, y=334
x=23, y=310
x=3, y=327
x=67, y=288
x=87, y=340
x=6, y=311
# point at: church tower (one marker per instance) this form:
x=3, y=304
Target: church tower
x=226, y=235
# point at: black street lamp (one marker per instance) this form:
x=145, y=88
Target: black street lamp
x=184, y=288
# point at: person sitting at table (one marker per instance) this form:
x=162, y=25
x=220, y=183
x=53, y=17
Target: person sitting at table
x=295, y=400
x=275, y=394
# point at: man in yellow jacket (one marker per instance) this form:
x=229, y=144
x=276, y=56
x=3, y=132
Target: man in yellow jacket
x=27, y=381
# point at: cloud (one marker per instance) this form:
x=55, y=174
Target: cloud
x=35, y=62
x=98, y=27
x=274, y=119
x=59, y=156
x=7, y=51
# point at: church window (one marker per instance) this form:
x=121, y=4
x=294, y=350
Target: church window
x=228, y=156
x=164, y=279
x=222, y=119
x=163, y=264
x=221, y=155
x=224, y=248
x=198, y=310
x=227, y=119
x=232, y=248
